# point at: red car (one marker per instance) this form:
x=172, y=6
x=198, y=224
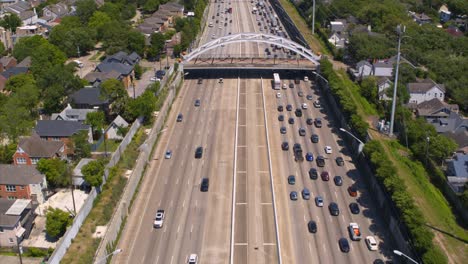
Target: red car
x=325, y=176
x=352, y=191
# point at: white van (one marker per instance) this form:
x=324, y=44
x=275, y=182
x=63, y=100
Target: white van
x=79, y=63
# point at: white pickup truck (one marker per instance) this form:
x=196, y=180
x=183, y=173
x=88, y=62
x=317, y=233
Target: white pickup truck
x=354, y=231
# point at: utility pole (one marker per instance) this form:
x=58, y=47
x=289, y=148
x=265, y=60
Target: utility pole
x=313, y=17
x=72, y=189
x=19, y=249
x=395, y=85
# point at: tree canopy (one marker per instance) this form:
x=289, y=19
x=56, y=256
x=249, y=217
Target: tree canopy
x=57, y=222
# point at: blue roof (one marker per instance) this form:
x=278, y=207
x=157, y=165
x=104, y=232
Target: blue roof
x=458, y=166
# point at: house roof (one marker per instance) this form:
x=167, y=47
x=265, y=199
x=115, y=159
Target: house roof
x=383, y=80
x=34, y=146
x=434, y=105
x=18, y=7
x=14, y=71
x=383, y=64
x=72, y=114
x=102, y=76
x=363, y=63
x=453, y=123
x=115, y=66
x=6, y=59
x=172, y=6
x=424, y=86
x=88, y=95
x=19, y=174
x=25, y=63
x=119, y=121
x=7, y=220
x=123, y=57
x=26, y=15
x=458, y=166
x=58, y=128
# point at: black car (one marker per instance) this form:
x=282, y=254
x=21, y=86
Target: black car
x=312, y=226
x=199, y=152
x=197, y=102
x=283, y=130
x=338, y=180
x=302, y=131
x=318, y=122
x=314, y=138
x=281, y=118
x=205, y=183
x=291, y=179
x=320, y=161
x=354, y=208
x=160, y=74
x=298, y=112
x=280, y=108
x=179, y=117
x=291, y=85
x=334, y=210
x=313, y=174
x=378, y=261
x=310, y=121
x=291, y=120
x=344, y=244
x=289, y=107
x=200, y=81
x=285, y=146
x=309, y=97
x=339, y=161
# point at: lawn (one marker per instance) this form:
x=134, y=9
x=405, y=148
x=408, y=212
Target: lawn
x=111, y=146
x=431, y=201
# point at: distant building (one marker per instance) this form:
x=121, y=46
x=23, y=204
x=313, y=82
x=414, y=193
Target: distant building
x=383, y=84
x=16, y=221
x=457, y=172
x=22, y=182
x=59, y=130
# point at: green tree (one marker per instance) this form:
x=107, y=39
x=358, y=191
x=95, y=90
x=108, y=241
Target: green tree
x=93, y=172
x=69, y=39
x=138, y=71
x=150, y=6
x=115, y=37
x=98, y=21
x=57, y=222
x=11, y=21
x=80, y=145
x=363, y=46
x=6, y=153
x=56, y=172
x=85, y=9
x=157, y=45
x=2, y=49
x=144, y=105
x=116, y=93
x=15, y=119
x=96, y=120
x=136, y=42
x=369, y=89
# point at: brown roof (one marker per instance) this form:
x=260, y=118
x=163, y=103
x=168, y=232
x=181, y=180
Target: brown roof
x=424, y=86
x=102, y=76
x=34, y=146
x=19, y=175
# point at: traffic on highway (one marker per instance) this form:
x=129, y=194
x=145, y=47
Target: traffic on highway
x=251, y=168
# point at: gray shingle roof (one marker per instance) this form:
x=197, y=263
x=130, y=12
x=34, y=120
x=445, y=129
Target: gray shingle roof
x=89, y=96
x=58, y=128
x=7, y=220
x=14, y=71
x=424, y=86
x=19, y=174
x=35, y=147
x=115, y=66
x=458, y=166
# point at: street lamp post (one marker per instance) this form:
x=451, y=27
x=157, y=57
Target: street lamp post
x=115, y=252
x=428, y=139
x=395, y=85
x=19, y=249
x=399, y=253
x=361, y=144
x=313, y=17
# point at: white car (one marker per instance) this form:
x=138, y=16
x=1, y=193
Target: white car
x=306, y=79
x=193, y=259
x=319, y=201
x=278, y=95
x=159, y=219
x=285, y=86
x=371, y=243
x=168, y=154
x=155, y=79
x=328, y=150
x=317, y=104
x=304, y=106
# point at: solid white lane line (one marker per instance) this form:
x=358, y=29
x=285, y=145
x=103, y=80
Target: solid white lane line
x=157, y=259
x=172, y=259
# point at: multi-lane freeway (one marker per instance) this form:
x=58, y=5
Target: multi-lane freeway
x=246, y=216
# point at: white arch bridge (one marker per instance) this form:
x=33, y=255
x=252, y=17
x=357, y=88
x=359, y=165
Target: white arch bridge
x=306, y=54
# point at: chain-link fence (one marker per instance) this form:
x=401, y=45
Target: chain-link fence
x=109, y=240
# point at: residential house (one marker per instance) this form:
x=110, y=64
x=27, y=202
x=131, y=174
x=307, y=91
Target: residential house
x=383, y=84
x=89, y=98
x=77, y=175
x=175, y=40
x=96, y=78
x=338, y=26
x=5, y=3
x=5, y=38
x=30, y=30
x=175, y=9
x=16, y=221
x=338, y=39
x=457, y=172
x=435, y=109
x=22, y=182
x=72, y=114
x=425, y=90
x=7, y=62
x=122, y=63
x=60, y=130
x=23, y=10
x=444, y=14
x=420, y=18
x=363, y=69
x=112, y=130
x=454, y=126
x=31, y=149
x=25, y=63
x=6, y=75
x=383, y=68
x=54, y=11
